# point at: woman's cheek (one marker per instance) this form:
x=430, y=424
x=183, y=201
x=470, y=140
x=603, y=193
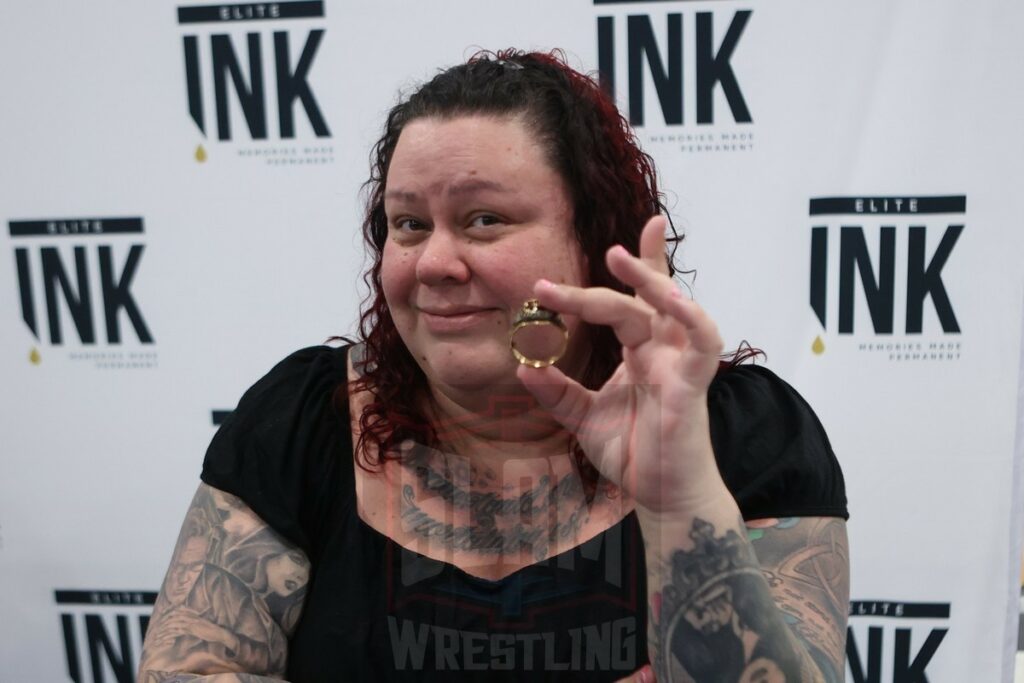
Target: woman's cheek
x=397, y=272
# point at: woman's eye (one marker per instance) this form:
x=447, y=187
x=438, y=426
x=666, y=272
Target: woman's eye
x=408, y=224
x=484, y=220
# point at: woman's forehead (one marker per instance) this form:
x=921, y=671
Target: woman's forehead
x=463, y=155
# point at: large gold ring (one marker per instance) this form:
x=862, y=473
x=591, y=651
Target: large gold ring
x=532, y=313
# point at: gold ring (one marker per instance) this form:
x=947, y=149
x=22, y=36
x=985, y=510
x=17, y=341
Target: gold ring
x=532, y=313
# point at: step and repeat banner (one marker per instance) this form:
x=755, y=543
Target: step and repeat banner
x=179, y=191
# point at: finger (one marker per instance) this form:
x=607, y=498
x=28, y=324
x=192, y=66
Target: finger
x=663, y=294
x=652, y=244
x=655, y=288
x=629, y=317
x=700, y=328
x=566, y=400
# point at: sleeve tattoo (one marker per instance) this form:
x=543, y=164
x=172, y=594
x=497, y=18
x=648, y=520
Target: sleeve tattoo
x=806, y=561
x=231, y=598
x=769, y=611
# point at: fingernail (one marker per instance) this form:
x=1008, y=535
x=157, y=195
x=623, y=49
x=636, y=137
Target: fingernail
x=645, y=675
x=620, y=249
x=676, y=293
x=545, y=284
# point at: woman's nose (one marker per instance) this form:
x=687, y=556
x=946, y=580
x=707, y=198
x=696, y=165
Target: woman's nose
x=442, y=259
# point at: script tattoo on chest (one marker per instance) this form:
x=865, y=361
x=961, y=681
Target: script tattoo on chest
x=534, y=521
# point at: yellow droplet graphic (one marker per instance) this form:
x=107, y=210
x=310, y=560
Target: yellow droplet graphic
x=200, y=154
x=34, y=357
x=818, y=346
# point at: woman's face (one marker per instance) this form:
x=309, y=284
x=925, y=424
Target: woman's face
x=286, y=573
x=476, y=215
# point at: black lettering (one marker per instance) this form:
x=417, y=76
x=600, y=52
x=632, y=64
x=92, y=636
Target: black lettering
x=714, y=67
x=926, y=279
x=116, y=295
x=874, y=660
x=193, y=82
x=641, y=45
x=251, y=98
x=906, y=671
x=67, y=623
x=292, y=85
x=853, y=252
x=28, y=304
x=606, y=54
x=819, y=271
x=80, y=305
x=120, y=662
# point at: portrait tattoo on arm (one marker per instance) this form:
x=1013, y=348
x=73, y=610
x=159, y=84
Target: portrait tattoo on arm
x=714, y=618
x=231, y=598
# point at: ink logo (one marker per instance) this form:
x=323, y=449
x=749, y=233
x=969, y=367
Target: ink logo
x=902, y=309
x=61, y=263
x=257, y=79
x=646, y=57
x=103, y=632
x=891, y=636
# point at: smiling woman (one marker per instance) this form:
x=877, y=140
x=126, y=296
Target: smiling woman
x=477, y=216
x=422, y=505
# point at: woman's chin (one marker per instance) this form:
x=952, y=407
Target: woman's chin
x=473, y=371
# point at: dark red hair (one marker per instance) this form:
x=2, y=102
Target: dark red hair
x=613, y=187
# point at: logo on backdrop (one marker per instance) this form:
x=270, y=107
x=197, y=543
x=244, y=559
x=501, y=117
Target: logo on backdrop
x=248, y=70
x=76, y=274
x=679, y=73
x=891, y=636
x=103, y=632
x=902, y=309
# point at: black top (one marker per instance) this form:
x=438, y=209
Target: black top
x=375, y=611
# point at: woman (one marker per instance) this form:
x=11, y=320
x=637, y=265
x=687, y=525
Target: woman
x=500, y=520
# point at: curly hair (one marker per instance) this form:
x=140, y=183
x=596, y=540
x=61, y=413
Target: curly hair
x=613, y=188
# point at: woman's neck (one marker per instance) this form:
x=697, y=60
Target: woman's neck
x=495, y=426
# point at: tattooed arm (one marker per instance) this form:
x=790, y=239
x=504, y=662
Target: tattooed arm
x=718, y=614
x=806, y=563
x=230, y=601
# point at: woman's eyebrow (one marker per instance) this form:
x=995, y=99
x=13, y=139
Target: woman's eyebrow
x=475, y=185
x=403, y=195
x=463, y=187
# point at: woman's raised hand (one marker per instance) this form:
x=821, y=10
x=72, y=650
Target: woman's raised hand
x=647, y=428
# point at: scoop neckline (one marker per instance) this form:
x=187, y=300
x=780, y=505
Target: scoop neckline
x=447, y=566
x=473, y=578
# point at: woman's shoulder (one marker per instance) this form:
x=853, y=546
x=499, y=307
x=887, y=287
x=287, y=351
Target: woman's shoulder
x=755, y=392
x=311, y=370
x=772, y=449
x=280, y=448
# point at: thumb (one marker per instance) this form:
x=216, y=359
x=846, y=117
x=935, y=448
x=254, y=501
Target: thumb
x=563, y=397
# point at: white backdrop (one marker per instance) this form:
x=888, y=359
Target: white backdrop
x=247, y=249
